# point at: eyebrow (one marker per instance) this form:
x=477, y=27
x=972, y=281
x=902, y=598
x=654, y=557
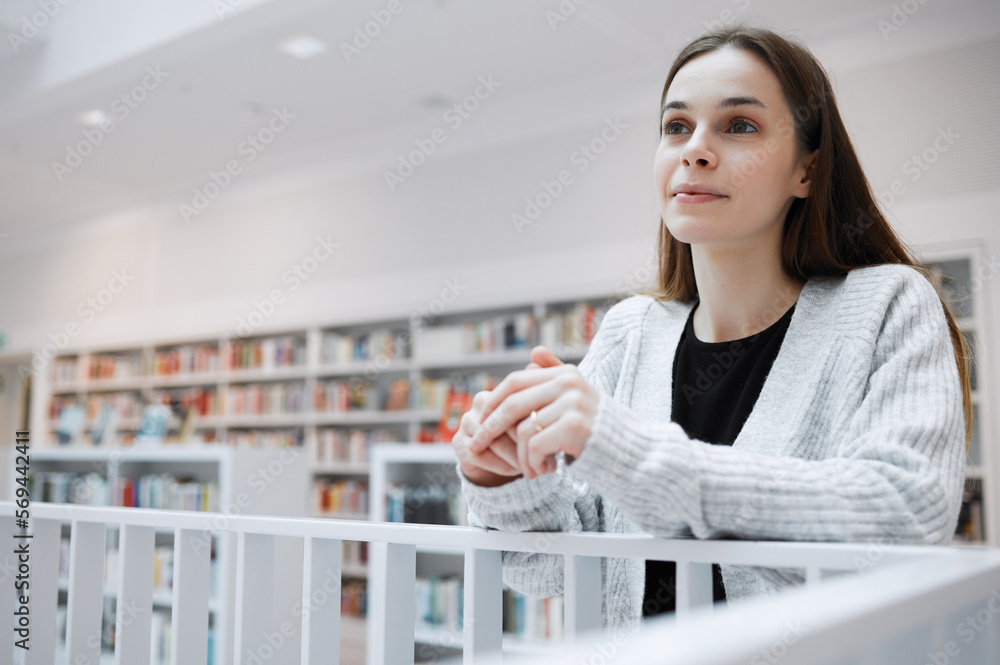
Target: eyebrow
x=724, y=103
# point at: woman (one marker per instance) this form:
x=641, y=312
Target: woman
x=793, y=375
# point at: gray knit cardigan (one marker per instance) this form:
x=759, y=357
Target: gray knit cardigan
x=858, y=434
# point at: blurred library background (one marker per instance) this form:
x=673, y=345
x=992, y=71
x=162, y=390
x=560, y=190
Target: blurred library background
x=268, y=249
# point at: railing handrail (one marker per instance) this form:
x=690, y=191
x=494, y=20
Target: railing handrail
x=823, y=554
x=855, y=619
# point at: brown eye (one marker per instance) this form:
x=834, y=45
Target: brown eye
x=667, y=127
x=746, y=123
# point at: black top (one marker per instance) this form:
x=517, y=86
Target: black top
x=715, y=387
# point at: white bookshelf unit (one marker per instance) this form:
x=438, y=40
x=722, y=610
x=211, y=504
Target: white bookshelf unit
x=265, y=481
x=428, y=466
x=965, y=278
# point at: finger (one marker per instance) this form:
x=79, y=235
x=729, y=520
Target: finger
x=512, y=383
x=505, y=448
x=544, y=358
x=545, y=443
x=468, y=424
x=522, y=451
x=491, y=462
x=515, y=409
x=480, y=398
x=543, y=446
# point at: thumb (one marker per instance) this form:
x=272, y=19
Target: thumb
x=544, y=358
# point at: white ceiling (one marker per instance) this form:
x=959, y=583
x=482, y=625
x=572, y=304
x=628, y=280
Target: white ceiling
x=605, y=58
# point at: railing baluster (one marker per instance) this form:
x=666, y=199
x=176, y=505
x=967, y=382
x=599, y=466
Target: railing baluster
x=254, y=592
x=694, y=586
x=321, y=579
x=44, y=591
x=394, y=612
x=482, y=622
x=582, y=595
x=135, y=595
x=85, y=602
x=189, y=615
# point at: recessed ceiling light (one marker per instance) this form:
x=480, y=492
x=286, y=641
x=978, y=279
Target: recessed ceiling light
x=253, y=111
x=301, y=46
x=93, y=117
x=435, y=101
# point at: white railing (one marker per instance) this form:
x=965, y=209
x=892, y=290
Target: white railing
x=908, y=604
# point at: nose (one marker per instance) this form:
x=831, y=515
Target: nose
x=697, y=150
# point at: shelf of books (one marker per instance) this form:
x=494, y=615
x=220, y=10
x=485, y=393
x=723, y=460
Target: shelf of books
x=335, y=390
x=962, y=276
x=414, y=483
x=267, y=481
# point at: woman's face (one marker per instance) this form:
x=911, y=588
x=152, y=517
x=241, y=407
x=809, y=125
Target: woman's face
x=745, y=151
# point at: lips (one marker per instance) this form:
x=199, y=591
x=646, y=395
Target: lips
x=692, y=188
x=684, y=197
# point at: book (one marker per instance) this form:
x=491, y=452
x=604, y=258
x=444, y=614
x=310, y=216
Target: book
x=70, y=424
x=455, y=406
x=154, y=424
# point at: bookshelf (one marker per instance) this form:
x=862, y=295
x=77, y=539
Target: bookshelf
x=399, y=475
x=238, y=487
x=333, y=390
x=965, y=277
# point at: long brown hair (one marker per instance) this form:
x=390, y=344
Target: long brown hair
x=839, y=226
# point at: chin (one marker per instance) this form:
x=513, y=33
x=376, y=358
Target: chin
x=691, y=229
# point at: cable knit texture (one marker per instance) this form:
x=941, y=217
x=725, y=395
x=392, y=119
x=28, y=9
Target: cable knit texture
x=858, y=435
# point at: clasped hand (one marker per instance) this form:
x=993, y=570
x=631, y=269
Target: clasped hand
x=497, y=440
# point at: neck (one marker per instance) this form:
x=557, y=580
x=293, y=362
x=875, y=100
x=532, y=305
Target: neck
x=740, y=292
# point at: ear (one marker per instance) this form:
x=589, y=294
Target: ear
x=804, y=174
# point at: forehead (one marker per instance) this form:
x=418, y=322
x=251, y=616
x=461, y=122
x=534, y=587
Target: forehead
x=728, y=72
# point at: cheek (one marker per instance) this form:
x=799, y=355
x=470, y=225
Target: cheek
x=663, y=169
x=757, y=170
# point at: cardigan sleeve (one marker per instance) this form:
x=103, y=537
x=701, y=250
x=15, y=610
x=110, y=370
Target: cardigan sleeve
x=555, y=501
x=897, y=472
